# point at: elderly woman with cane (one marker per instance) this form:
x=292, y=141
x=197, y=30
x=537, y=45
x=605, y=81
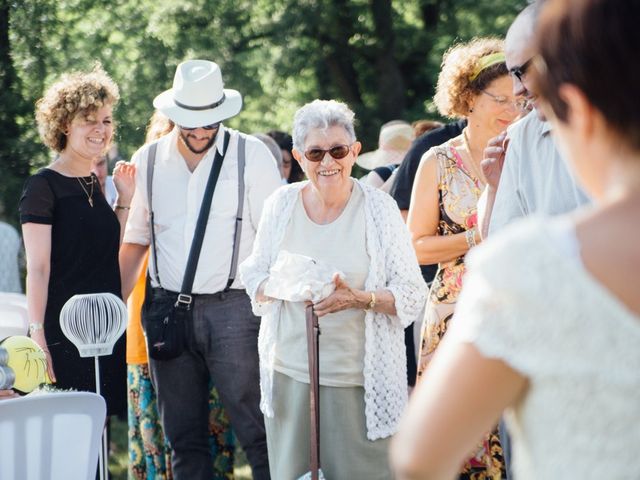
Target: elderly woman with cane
x=336, y=220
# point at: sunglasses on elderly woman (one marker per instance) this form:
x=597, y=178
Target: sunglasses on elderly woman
x=213, y=126
x=337, y=152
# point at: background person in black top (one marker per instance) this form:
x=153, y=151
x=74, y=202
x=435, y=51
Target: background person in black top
x=401, y=190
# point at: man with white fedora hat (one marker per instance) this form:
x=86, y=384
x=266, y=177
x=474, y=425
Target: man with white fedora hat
x=221, y=333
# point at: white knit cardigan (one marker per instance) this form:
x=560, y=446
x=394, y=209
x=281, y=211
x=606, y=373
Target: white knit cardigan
x=393, y=267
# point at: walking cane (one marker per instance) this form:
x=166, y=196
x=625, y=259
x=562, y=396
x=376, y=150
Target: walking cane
x=313, y=333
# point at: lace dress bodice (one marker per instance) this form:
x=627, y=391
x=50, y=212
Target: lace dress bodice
x=529, y=303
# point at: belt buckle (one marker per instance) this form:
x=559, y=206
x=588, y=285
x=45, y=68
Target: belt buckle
x=184, y=300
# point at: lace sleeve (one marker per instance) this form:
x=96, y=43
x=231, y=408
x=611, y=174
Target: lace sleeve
x=501, y=309
x=255, y=268
x=404, y=279
x=37, y=202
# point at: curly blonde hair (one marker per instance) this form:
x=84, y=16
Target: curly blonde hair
x=75, y=93
x=456, y=89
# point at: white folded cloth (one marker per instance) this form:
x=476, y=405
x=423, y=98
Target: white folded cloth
x=298, y=278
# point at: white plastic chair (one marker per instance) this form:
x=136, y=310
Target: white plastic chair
x=14, y=319
x=52, y=436
x=10, y=297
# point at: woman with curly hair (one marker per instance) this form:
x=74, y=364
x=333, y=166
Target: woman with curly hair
x=474, y=84
x=70, y=232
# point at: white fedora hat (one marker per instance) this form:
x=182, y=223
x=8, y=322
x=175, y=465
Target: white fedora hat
x=198, y=96
x=394, y=142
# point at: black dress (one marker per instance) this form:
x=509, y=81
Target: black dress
x=84, y=259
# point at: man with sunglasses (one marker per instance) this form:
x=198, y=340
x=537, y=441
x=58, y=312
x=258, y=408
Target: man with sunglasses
x=222, y=333
x=535, y=178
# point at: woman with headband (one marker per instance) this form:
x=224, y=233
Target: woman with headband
x=474, y=84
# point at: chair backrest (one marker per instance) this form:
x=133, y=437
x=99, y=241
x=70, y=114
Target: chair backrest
x=10, y=297
x=51, y=436
x=14, y=318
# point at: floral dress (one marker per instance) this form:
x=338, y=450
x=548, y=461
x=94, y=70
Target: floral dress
x=458, y=194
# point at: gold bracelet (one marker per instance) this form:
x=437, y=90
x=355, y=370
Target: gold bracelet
x=372, y=303
x=121, y=207
x=34, y=327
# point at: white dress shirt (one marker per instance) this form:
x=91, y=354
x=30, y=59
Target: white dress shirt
x=110, y=192
x=177, y=196
x=535, y=178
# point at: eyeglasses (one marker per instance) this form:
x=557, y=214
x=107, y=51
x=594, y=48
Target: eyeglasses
x=505, y=102
x=520, y=70
x=337, y=152
x=213, y=126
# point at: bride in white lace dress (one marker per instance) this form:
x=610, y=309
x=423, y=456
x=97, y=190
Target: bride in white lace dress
x=548, y=322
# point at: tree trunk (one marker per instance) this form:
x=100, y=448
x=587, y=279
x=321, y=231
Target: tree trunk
x=336, y=30
x=391, y=85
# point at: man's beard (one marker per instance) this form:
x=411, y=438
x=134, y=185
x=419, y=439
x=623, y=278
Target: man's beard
x=187, y=144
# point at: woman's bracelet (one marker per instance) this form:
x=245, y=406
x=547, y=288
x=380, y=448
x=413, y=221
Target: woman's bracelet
x=372, y=303
x=470, y=237
x=121, y=207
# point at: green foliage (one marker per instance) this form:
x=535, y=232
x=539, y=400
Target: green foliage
x=380, y=56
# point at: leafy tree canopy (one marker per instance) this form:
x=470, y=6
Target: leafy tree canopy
x=380, y=56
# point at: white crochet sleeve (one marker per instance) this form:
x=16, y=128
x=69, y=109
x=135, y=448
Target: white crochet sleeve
x=255, y=268
x=403, y=277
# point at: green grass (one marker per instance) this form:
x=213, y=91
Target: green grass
x=118, y=458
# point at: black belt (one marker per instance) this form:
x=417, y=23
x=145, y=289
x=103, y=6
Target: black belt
x=189, y=299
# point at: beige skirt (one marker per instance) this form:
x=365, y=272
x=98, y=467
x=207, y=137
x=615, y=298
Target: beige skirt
x=345, y=452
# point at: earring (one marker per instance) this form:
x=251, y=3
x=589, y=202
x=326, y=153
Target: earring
x=471, y=110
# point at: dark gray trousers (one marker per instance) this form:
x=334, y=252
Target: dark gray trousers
x=222, y=343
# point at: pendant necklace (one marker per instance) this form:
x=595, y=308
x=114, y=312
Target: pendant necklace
x=472, y=167
x=89, y=195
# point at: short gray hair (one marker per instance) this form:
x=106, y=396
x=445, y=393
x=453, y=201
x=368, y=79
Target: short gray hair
x=321, y=114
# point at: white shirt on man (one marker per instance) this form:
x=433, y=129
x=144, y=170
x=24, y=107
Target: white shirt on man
x=110, y=192
x=177, y=196
x=535, y=178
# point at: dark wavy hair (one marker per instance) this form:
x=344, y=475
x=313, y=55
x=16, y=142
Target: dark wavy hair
x=285, y=142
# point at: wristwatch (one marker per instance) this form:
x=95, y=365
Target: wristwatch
x=34, y=327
